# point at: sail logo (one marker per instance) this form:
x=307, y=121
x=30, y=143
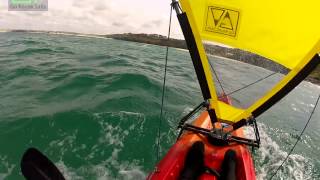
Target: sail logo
x=222, y=21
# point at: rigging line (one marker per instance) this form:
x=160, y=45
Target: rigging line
x=163, y=88
x=305, y=127
x=219, y=82
x=257, y=81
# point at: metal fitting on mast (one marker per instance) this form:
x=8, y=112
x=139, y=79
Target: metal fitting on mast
x=176, y=6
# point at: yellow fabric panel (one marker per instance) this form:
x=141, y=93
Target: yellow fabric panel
x=287, y=78
x=204, y=58
x=229, y=114
x=283, y=31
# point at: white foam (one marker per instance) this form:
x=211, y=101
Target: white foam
x=7, y=168
x=187, y=110
x=180, y=49
x=112, y=137
x=102, y=171
x=68, y=173
x=134, y=174
x=308, y=84
x=71, y=34
x=269, y=156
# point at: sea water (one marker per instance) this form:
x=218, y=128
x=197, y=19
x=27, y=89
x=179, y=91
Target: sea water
x=92, y=106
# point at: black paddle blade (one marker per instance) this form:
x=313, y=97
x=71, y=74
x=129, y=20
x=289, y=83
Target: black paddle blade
x=36, y=166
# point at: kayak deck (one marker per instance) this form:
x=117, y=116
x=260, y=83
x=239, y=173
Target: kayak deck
x=172, y=164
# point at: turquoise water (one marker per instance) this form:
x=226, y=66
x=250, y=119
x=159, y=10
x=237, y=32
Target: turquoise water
x=92, y=106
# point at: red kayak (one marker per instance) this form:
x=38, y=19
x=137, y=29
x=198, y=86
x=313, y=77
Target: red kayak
x=172, y=164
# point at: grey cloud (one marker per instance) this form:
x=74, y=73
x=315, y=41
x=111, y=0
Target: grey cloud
x=95, y=4
x=117, y=24
x=34, y=13
x=153, y=23
x=79, y=4
x=146, y=25
x=157, y=22
x=87, y=16
x=101, y=7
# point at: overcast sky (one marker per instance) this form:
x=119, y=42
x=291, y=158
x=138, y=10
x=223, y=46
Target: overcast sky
x=94, y=16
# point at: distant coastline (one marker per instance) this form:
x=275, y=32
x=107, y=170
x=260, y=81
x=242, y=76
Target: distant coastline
x=155, y=39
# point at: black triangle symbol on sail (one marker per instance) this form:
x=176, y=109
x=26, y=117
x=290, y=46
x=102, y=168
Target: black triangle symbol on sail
x=226, y=21
x=216, y=20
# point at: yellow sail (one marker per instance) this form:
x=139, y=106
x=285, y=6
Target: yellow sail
x=283, y=31
x=286, y=32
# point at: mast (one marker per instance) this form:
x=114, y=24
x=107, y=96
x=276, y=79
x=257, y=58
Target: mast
x=199, y=59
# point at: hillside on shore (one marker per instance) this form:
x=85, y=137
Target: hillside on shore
x=231, y=53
